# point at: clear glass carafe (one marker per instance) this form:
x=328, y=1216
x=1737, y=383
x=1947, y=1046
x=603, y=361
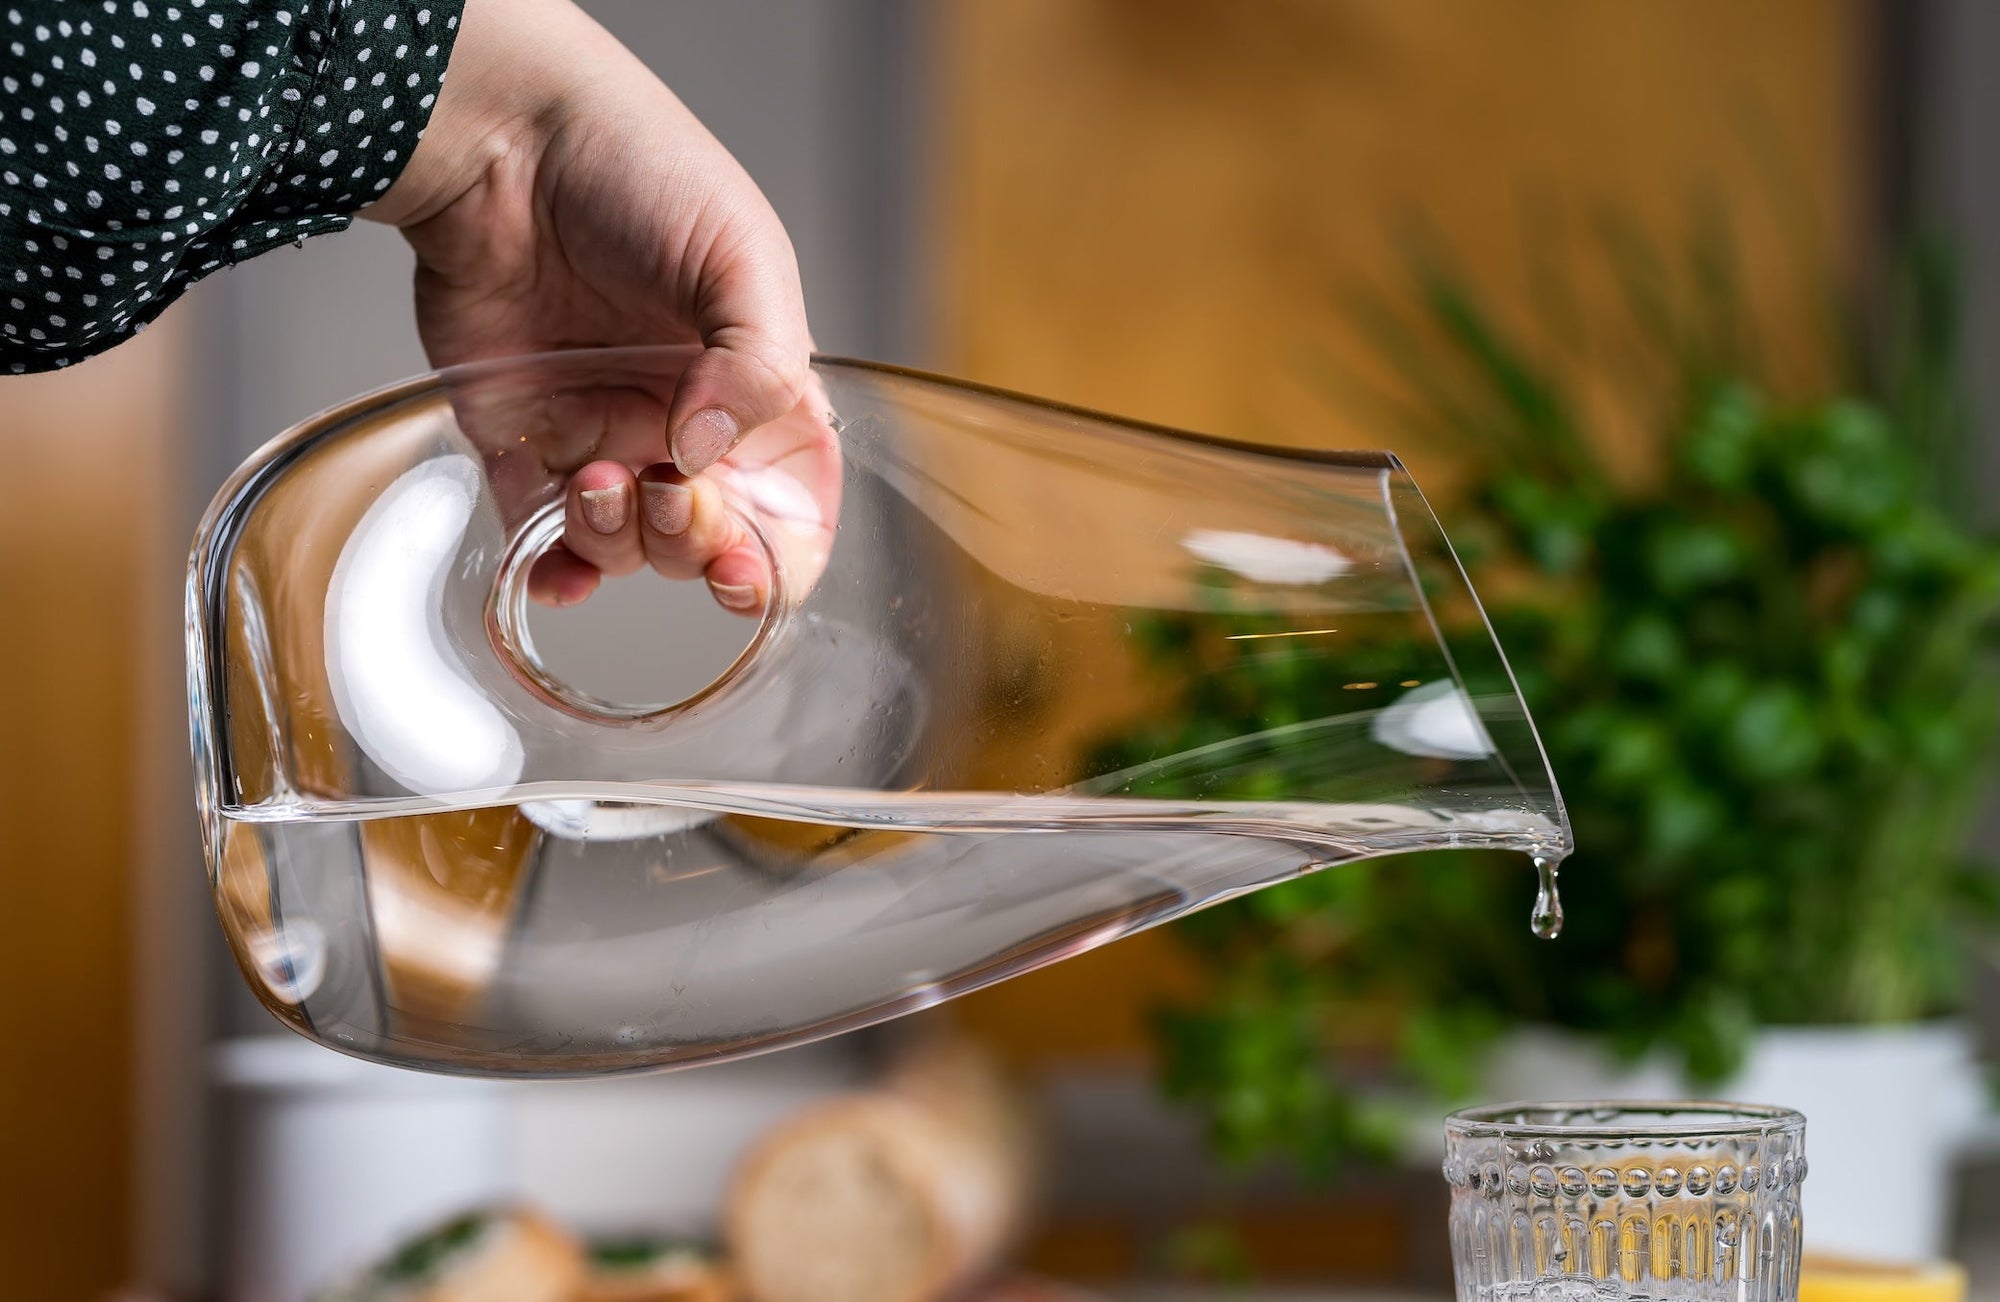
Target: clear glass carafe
x=937, y=760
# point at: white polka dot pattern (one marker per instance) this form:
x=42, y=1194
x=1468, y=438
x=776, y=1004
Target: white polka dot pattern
x=146, y=143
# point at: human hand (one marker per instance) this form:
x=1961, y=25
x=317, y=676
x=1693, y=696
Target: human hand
x=562, y=198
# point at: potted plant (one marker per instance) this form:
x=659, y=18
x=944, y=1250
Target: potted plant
x=1764, y=667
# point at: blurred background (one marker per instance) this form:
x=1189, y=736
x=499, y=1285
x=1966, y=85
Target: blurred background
x=1336, y=223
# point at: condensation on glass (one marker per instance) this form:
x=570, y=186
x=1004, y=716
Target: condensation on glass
x=937, y=762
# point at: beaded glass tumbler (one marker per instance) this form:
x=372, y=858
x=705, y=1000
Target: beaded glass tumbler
x=1594, y=1202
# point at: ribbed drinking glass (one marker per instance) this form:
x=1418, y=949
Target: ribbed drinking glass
x=1589, y=1202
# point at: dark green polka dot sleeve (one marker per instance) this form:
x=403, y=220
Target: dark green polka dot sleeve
x=146, y=143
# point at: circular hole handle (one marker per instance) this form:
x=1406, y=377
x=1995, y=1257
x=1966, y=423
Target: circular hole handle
x=507, y=627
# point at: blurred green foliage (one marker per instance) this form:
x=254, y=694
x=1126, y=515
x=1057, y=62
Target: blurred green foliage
x=1764, y=671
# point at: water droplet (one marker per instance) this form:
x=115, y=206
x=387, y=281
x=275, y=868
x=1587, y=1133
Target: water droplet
x=1547, y=919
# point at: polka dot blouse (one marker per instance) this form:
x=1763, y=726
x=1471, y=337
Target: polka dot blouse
x=145, y=143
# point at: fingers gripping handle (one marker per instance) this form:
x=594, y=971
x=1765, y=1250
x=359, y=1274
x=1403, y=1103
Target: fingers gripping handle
x=508, y=626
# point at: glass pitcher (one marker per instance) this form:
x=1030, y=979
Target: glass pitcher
x=964, y=736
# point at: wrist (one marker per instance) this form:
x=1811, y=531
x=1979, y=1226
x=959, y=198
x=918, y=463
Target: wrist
x=498, y=105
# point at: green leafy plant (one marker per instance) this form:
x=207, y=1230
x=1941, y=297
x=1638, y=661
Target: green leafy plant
x=1764, y=670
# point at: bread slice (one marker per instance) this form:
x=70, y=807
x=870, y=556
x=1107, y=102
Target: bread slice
x=902, y=1193
x=486, y=1256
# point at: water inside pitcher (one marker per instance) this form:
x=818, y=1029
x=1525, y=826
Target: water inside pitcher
x=962, y=739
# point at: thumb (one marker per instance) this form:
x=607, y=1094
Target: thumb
x=755, y=356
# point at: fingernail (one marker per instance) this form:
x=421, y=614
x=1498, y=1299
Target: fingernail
x=736, y=596
x=669, y=507
x=702, y=439
x=605, y=508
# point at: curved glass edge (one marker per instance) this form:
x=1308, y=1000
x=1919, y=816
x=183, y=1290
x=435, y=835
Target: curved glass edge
x=1477, y=661
x=396, y=1051
x=1621, y=1119
x=206, y=594
x=1358, y=459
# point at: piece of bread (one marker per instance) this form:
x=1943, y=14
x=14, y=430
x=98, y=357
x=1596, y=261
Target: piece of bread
x=654, y=1270
x=487, y=1256
x=902, y=1193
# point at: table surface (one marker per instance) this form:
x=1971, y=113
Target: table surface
x=1185, y=1294
x=1982, y=1263
x=1985, y=1270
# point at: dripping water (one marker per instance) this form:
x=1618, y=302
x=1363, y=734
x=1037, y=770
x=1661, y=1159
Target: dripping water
x=1547, y=919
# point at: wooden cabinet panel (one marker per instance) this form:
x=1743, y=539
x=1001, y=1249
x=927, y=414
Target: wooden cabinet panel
x=89, y=490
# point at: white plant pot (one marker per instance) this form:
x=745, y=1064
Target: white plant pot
x=334, y=1160
x=1889, y=1111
